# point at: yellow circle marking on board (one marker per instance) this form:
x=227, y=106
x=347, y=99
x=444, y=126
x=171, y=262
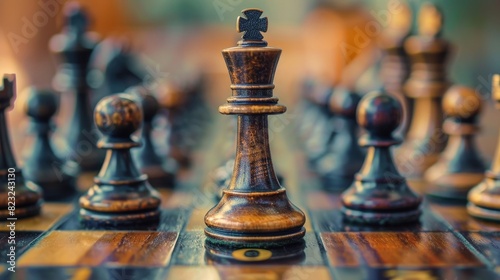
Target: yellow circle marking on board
x=252, y=255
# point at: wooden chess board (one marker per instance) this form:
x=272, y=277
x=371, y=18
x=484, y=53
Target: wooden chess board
x=446, y=244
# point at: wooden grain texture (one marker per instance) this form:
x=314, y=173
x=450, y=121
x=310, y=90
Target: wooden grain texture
x=97, y=248
x=458, y=219
x=488, y=244
x=402, y=249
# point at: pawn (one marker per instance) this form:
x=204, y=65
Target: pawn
x=344, y=156
x=121, y=195
x=160, y=174
x=484, y=199
x=28, y=196
x=379, y=194
x=42, y=165
x=460, y=166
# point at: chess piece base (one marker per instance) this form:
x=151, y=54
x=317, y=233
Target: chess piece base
x=256, y=217
x=483, y=213
x=218, y=254
x=381, y=218
x=93, y=218
x=484, y=199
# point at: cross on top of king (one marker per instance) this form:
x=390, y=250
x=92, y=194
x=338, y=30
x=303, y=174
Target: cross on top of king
x=252, y=24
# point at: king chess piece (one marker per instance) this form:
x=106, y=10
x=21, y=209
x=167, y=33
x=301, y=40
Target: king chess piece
x=379, y=194
x=27, y=196
x=255, y=208
x=121, y=195
x=41, y=163
x=484, y=199
x=460, y=166
x=76, y=45
x=426, y=85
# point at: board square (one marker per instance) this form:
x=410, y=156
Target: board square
x=101, y=248
x=397, y=249
x=458, y=219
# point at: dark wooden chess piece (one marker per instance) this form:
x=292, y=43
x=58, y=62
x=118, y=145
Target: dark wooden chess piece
x=41, y=164
x=428, y=53
x=255, y=208
x=395, y=63
x=75, y=45
x=460, y=166
x=380, y=195
x=344, y=156
x=18, y=198
x=172, y=98
x=161, y=174
x=121, y=195
x=322, y=130
x=484, y=199
x=114, y=68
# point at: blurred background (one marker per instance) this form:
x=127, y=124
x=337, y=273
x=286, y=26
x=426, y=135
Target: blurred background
x=179, y=40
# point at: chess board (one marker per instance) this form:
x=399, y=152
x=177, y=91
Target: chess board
x=446, y=244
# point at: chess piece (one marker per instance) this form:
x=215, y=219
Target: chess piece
x=379, y=194
x=172, y=99
x=395, y=63
x=344, y=157
x=75, y=45
x=41, y=164
x=484, y=199
x=425, y=139
x=255, y=208
x=114, y=68
x=460, y=166
x=27, y=196
x=160, y=174
x=322, y=131
x=121, y=195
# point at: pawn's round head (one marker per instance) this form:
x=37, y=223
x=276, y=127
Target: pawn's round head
x=170, y=95
x=117, y=116
x=41, y=105
x=462, y=103
x=149, y=103
x=380, y=114
x=344, y=103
